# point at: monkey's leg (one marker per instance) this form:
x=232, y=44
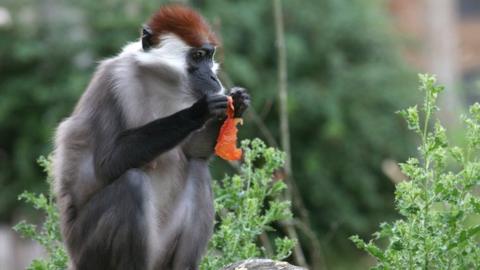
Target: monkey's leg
x=112, y=230
x=198, y=226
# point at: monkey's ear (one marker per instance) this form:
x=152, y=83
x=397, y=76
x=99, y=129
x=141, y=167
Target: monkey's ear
x=147, y=36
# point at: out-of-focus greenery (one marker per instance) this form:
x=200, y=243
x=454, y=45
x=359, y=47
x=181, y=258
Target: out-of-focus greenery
x=346, y=78
x=438, y=205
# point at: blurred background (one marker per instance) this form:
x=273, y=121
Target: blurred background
x=351, y=65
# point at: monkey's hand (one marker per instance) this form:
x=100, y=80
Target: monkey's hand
x=217, y=105
x=209, y=106
x=241, y=100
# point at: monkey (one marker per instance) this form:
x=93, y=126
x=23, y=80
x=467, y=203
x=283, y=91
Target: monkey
x=131, y=175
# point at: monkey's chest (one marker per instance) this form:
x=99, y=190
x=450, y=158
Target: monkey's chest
x=183, y=206
x=168, y=178
x=180, y=187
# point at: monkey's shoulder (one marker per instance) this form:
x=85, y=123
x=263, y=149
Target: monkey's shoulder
x=73, y=131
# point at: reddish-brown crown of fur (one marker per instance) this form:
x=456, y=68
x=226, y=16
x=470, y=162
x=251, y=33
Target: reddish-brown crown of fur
x=183, y=22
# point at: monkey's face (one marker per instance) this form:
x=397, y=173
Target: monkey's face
x=173, y=60
x=201, y=71
x=180, y=40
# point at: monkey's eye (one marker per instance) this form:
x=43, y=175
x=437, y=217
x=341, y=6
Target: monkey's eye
x=199, y=54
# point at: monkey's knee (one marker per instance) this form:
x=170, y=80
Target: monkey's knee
x=115, y=226
x=133, y=186
x=134, y=178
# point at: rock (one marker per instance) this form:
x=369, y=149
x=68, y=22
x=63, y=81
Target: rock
x=261, y=264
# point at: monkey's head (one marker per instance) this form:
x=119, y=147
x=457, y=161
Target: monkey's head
x=179, y=37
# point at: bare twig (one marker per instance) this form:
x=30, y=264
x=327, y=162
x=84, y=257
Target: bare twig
x=283, y=115
x=316, y=254
x=282, y=87
x=266, y=244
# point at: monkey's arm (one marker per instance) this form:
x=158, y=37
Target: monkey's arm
x=134, y=148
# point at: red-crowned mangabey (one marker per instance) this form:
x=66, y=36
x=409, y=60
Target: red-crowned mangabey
x=131, y=162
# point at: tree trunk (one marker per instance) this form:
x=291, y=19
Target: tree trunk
x=442, y=46
x=261, y=264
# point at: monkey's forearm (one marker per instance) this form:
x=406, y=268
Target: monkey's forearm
x=136, y=147
x=202, y=142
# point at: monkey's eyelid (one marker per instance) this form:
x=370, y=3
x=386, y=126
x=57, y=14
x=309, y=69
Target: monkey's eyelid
x=200, y=54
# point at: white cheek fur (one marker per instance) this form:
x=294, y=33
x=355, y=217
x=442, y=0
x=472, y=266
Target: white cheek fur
x=215, y=67
x=172, y=52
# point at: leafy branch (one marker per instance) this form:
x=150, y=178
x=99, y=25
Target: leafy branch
x=440, y=206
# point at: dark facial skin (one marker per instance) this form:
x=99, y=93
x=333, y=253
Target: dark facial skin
x=204, y=83
x=202, y=79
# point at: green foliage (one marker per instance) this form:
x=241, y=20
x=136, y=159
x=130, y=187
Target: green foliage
x=48, y=234
x=246, y=205
x=440, y=205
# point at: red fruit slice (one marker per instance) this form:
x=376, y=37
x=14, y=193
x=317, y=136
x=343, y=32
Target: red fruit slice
x=226, y=146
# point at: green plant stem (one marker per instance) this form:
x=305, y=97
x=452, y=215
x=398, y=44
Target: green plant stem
x=428, y=111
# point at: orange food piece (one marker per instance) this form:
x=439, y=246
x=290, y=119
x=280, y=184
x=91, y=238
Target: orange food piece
x=226, y=146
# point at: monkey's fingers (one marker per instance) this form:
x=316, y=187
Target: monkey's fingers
x=217, y=105
x=241, y=100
